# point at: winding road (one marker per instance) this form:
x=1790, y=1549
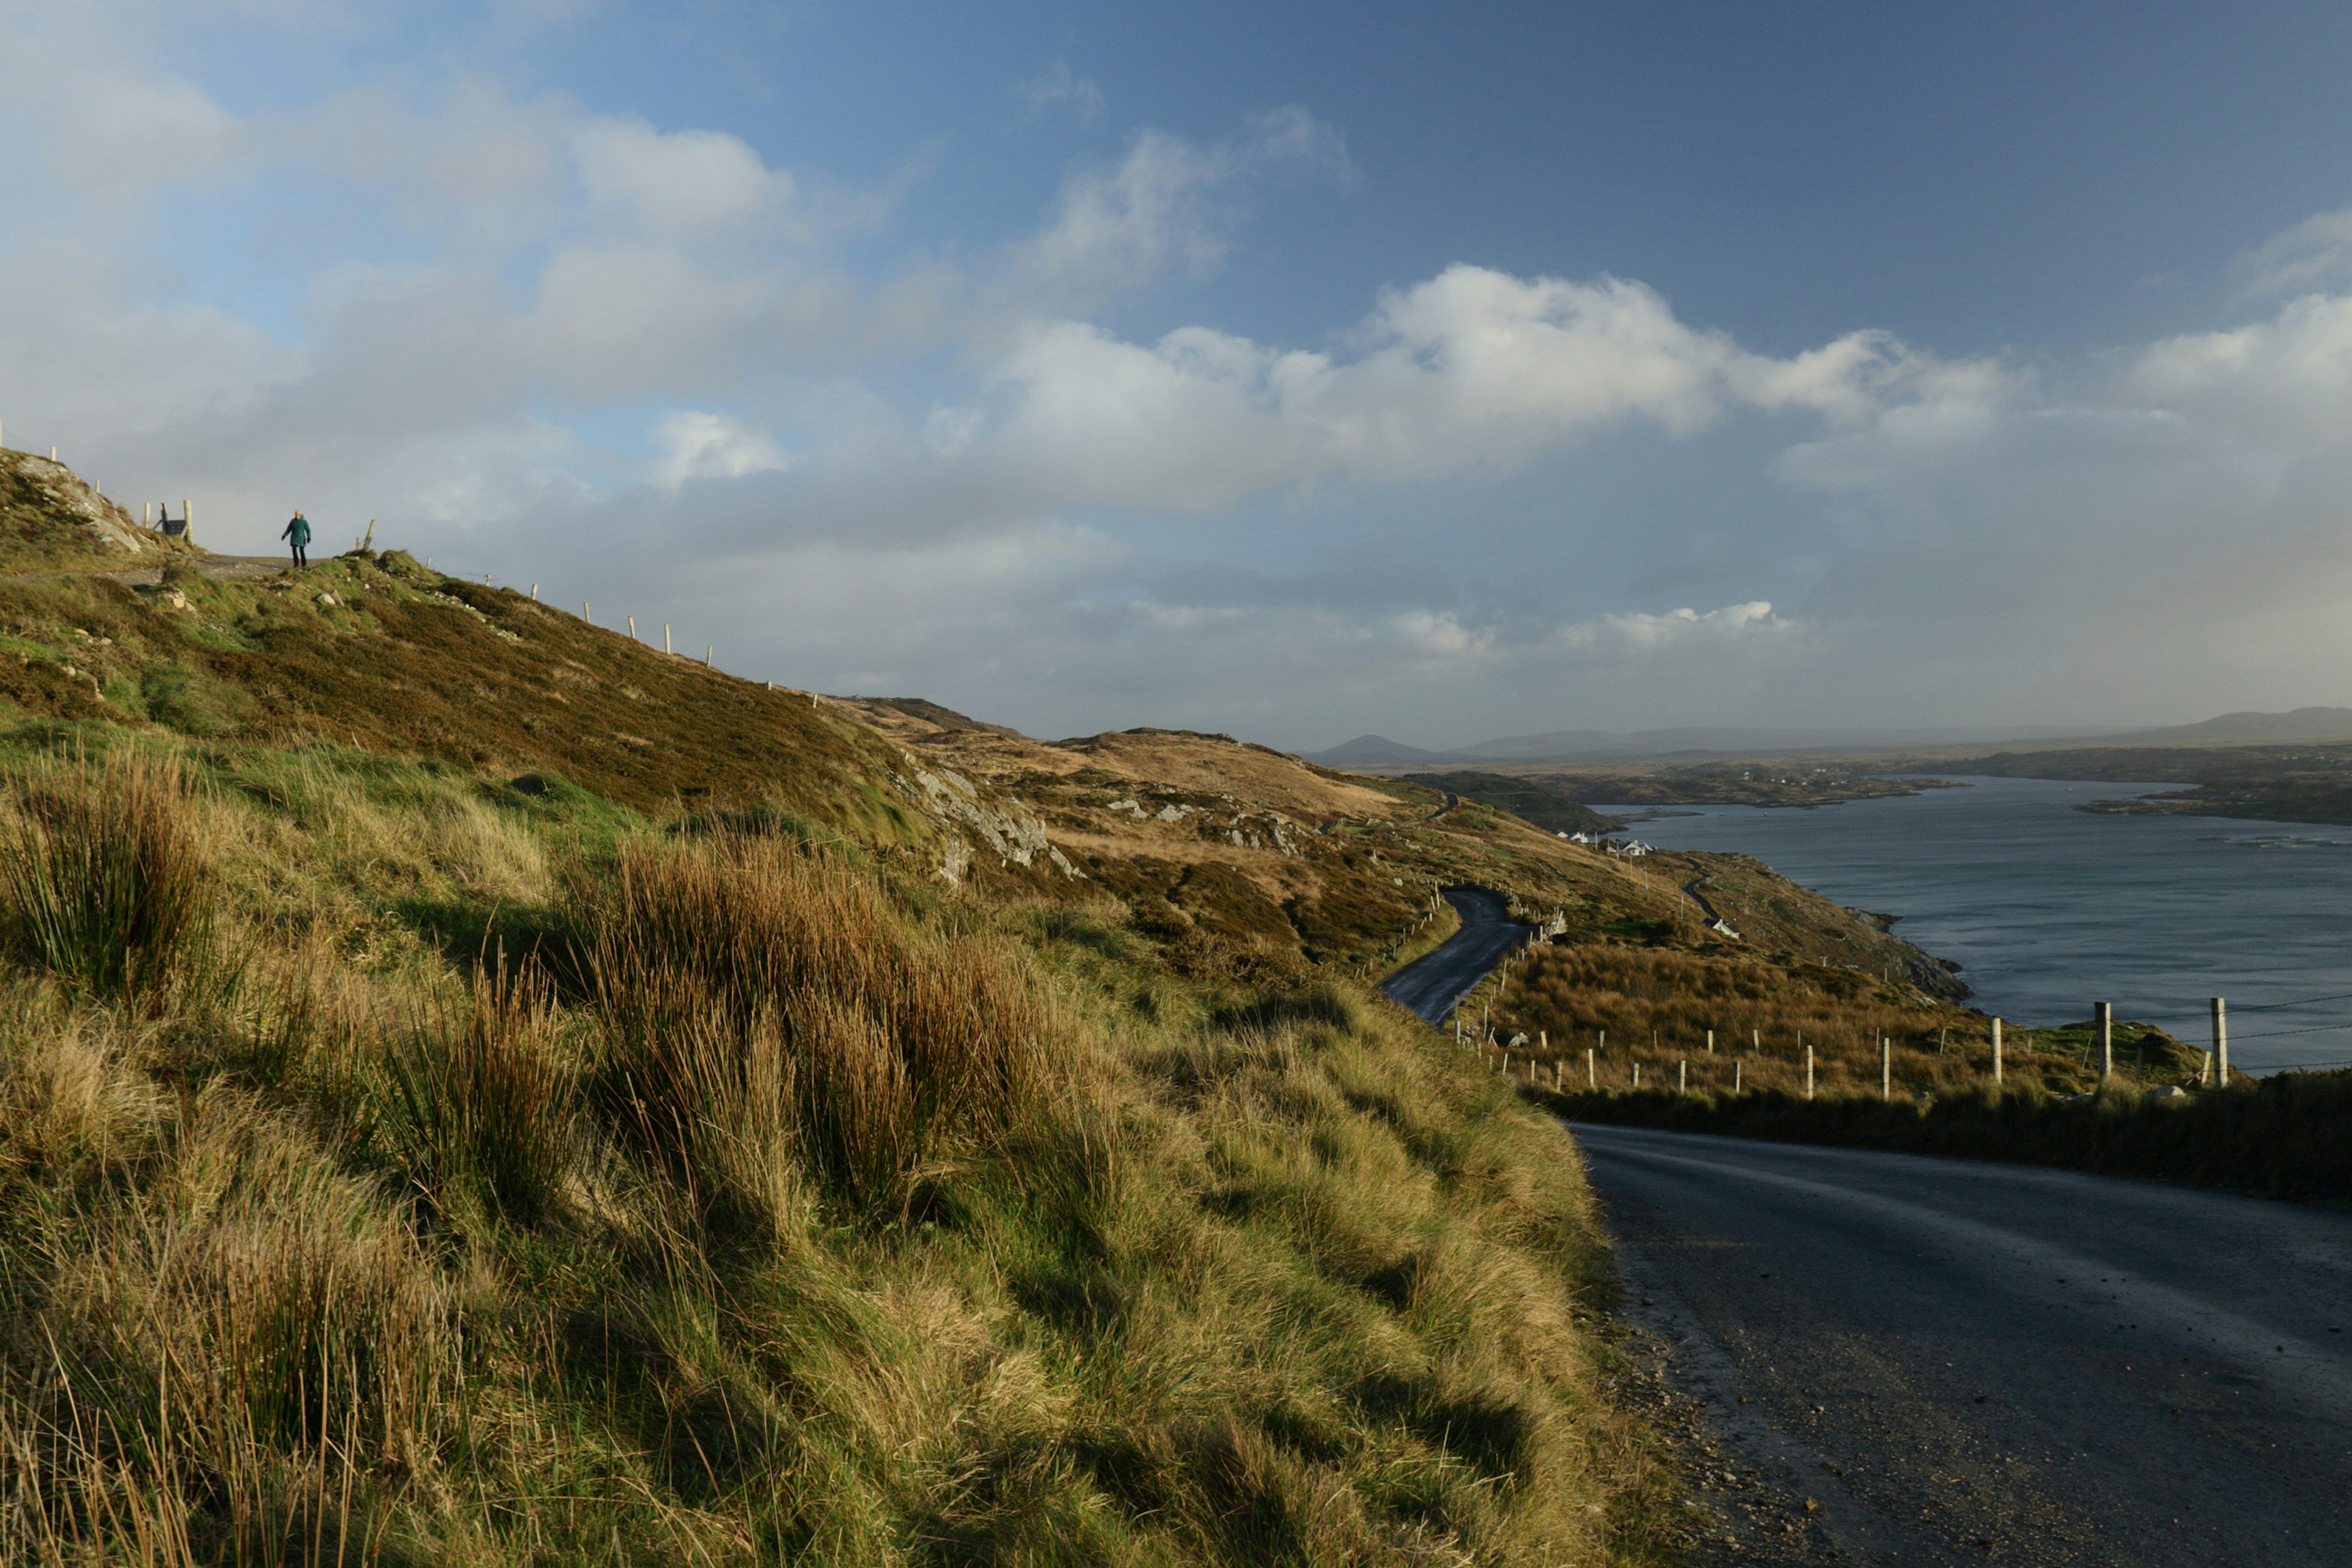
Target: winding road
x=1966, y=1362
x=1431, y=985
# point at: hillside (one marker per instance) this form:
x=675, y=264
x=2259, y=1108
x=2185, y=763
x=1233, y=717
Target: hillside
x=2301, y=782
x=476, y=1089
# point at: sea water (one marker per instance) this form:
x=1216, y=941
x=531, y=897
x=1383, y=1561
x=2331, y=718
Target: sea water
x=2048, y=909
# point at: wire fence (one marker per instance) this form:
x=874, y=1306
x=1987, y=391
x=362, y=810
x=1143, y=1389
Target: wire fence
x=2236, y=1039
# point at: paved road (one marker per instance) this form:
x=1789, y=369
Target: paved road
x=1968, y=1363
x=1432, y=983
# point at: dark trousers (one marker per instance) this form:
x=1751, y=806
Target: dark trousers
x=302, y=557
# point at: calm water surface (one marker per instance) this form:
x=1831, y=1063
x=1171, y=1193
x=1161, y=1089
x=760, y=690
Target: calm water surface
x=2049, y=909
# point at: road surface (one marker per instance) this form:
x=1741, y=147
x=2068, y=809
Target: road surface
x=1968, y=1363
x=1432, y=983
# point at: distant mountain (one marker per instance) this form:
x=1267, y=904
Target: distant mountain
x=2245, y=730
x=1564, y=745
x=1376, y=749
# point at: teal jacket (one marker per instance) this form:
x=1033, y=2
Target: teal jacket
x=298, y=531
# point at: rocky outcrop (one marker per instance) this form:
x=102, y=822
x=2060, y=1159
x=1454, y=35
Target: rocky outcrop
x=63, y=494
x=1009, y=828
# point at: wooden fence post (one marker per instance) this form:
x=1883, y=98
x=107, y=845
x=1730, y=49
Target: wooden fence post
x=2221, y=1045
x=2103, y=1021
x=1996, y=1051
x=633, y=628
x=1682, y=1077
x=1710, y=1042
x=1735, y=1075
x=1637, y=1075
x=1885, y=1069
x=1808, y=1072
x=1592, y=1068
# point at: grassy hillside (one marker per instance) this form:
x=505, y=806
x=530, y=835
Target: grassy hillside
x=475, y=1089
x=2305, y=782
x=1532, y=799
x=729, y=1196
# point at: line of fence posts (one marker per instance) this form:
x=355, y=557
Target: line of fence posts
x=2215, y=1071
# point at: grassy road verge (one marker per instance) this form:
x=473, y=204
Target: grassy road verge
x=2282, y=1136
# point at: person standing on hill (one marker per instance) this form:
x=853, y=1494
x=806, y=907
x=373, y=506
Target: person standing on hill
x=298, y=534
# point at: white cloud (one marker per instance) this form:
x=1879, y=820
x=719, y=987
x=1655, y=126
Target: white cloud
x=672, y=183
x=1471, y=371
x=2311, y=255
x=1159, y=209
x=698, y=446
x=1683, y=628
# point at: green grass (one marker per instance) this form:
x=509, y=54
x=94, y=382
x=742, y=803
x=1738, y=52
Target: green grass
x=547, y=1180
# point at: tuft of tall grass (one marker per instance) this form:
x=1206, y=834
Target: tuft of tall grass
x=750, y=985
x=105, y=872
x=482, y=1100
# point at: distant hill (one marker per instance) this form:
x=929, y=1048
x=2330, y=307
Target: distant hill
x=2244, y=730
x=1565, y=745
x=1375, y=749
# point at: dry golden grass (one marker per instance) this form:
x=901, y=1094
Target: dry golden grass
x=105, y=876
x=755, y=992
x=790, y=1212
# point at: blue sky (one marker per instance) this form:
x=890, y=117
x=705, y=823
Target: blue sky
x=1444, y=370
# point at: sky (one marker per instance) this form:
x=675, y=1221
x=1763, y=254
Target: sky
x=1290, y=371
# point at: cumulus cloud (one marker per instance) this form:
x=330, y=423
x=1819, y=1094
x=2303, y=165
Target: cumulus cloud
x=1683, y=628
x=1159, y=207
x=1471, y=371
x=2311, y=255
x=698, y=446
x=669, y=183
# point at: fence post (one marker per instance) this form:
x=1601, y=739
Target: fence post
x=1682, y=1077
x=1591, y=1070
x=1735, y=1075
x=1710, y=1042
x=2103, y=1018
x=583, y=610
x=1885, y=1069
x=633, y=628
x=1996, y=1051
x=665, y=648
x=2221, y=1045
x=1755, y=1040
x=1808, y=1072
x=1637, y=1075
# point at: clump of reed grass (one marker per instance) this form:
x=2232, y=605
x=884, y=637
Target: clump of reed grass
x=749, y=986
x=105, y=872
x=481, y=1097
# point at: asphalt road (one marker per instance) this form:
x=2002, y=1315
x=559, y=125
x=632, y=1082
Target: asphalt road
x=1964, y=1362
x=1432, y=983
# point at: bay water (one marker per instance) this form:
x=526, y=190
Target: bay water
x=2048, y=909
